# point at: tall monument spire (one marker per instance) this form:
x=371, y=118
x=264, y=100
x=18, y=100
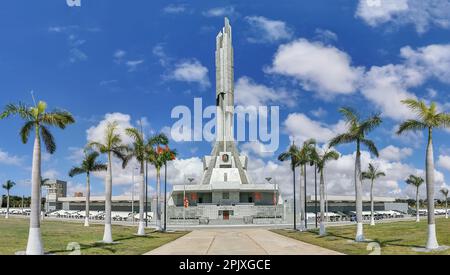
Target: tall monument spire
x=225, y=190
x=224, y=164
x=225, y=84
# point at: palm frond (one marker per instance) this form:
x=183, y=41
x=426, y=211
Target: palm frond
x=284, y=156
x=135, y=134
x=48, y=139
x=417, y=106
x=58, y=118
x=331, y=155
x=20, y=109
x=90, y=158
x=350, y=114
x=76, y=171
x=97, y=167
x=342, y=139
x=442, y=120
x=25, y=131
x=97, y=146
x=369, y=124
x=415, y=181
x=411, y=125
x=371, y=146
x=8, y=185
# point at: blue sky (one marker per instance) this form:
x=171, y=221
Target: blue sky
x=139, y=59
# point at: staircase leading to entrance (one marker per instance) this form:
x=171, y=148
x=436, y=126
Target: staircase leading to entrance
x=227, y=222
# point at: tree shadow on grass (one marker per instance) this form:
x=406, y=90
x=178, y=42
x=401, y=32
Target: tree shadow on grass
x=384, y=243
x=102, y=246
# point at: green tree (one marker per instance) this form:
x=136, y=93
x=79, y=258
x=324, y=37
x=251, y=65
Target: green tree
x=357, y=131
x=8, y=186
x=372, y=174
x=444, y=192
x=158, y=157
x=292, y=155
x=37, y=119
x=111, y=146
x=138, y=150
x=416, y=181
x=428, y=118
x=305, y=157
x=44, y=183
x=321, y=159
x=88, y=165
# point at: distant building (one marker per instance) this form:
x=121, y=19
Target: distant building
x=55, y=189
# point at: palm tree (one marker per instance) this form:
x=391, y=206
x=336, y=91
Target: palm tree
x=321, y=160
x=38, y=119
x=88, y=165
x=111, y=146
x=139, y=151
x=416, y=182
x=8, y=186
x=428, y=119
x=169, y=155
x=44, y=183
x=372, y=174
x=444, y=192
x=304, y=157
x=292, y=155
x=157, y=157
x=356, y=133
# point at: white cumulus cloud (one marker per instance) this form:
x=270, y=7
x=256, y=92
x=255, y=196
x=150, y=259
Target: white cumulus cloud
x=392, y=153
x=300, y=128
x=191, y=71
x=220, y=11
x=317, y=67
x=7, y=159
x=267, y=30
x=250, y=93
x=422, y=14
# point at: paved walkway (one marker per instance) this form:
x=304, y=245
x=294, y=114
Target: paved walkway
x=238, y=242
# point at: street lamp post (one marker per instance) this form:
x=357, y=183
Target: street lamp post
x=184, y=198
x=315, y=190
x=268, y=179
x=165, y=196
x=146, y=193
x=132, y=193
x=305, y=204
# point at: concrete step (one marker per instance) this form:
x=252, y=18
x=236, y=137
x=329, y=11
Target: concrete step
x=225, y=222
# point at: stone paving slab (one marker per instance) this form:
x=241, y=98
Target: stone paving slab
x=239, y=241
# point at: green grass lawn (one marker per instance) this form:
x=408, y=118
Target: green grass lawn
x=56, y=235
x=393, y=238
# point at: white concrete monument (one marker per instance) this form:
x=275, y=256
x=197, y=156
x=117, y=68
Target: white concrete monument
x=225, y=190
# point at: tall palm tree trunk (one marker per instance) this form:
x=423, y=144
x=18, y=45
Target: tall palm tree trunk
x=107, y=236
x=295, y=206
x=372, y=218
x=322, y=230
x=34, y=245
x=431, y=241
x=88, y=198
x=446, y=207
x=358, y=192
x=141, y=228
x=158, y=191
x=302, y=198
x=417, y=205
x=7, y=204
